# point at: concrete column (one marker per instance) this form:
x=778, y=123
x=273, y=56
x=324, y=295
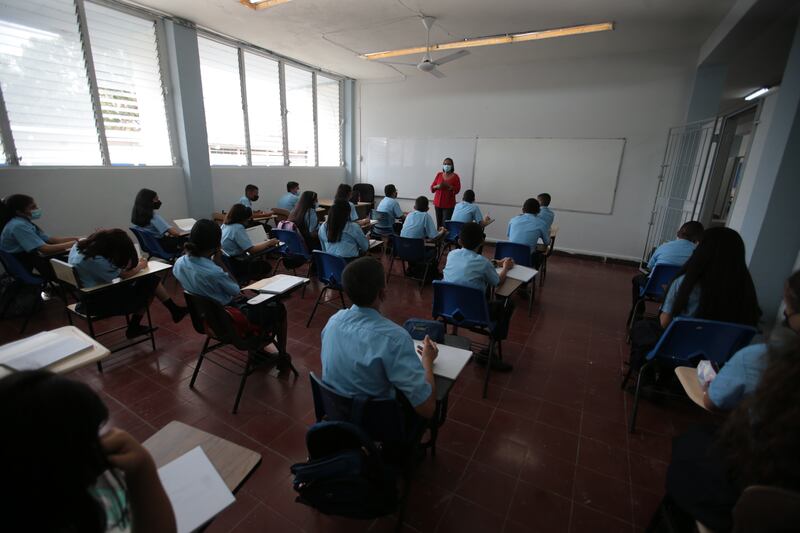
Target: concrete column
x=709, y=83
x=349, y=130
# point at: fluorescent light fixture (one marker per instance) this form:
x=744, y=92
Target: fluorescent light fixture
x=755, y=94
x=496, y=39
x=262, y=4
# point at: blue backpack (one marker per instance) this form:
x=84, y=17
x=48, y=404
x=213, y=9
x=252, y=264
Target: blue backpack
x=345, y=474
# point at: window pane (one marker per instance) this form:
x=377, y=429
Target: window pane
x=43, y=76
x=329, y=122
x=264, y=109
x=130, y=86
x=300, y=116
x=222, y=98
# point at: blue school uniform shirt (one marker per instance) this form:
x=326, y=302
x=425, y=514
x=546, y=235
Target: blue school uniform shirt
x=235, y=240
x=391, y=206
x=469, y=268
x=675, y=252
x=203, y=277
x=288, y=201
x=692, y=304
x=546, y=214
x=21, y=235
x=350, y=244
x=245, y=201
x=92, y=271
x=157, y=226
x=353, y=212
x=364, y=353
x=311, y=220
x=528, y=229
x=739, y=377
x=418, y=225
x=467, y=212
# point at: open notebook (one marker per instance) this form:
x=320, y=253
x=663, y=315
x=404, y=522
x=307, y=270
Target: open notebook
x=257, y=234
x=41, y=350
x=277, y=284
x=521, y=273
x=185, y=224
x=450, y=361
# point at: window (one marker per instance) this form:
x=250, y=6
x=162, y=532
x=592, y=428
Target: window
x=45, y=86
x=129, y=83
x=222, y=99
x=300, y=116
x=264, y=109
x=329, y=122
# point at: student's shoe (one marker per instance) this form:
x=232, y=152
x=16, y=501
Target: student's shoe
x=136, y=331
x=482, y=358
x=179, y=314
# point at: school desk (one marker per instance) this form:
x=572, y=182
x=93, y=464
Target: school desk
x=94, y=354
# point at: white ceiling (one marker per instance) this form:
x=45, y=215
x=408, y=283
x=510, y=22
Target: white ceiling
x=331, y=33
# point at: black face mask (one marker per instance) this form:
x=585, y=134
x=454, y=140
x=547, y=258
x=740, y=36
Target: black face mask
x=254, y=198
x=156, y=205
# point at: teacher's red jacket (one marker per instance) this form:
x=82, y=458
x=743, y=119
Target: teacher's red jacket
x=446, y=198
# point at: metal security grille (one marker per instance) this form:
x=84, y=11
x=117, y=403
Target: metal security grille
x=683, y=180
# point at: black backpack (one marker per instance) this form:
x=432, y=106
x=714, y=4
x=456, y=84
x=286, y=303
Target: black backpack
x=345, y=474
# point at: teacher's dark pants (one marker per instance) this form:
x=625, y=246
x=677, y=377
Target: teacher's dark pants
x=442, y=214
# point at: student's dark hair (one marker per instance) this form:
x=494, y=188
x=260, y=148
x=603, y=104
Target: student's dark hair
x=337, y=219
x=113, y=244
x=531, y=206
x=471, y=235
x=544, y=199
x=343, y=192
x=760, y=438
x=11, y=205
x=469, y=196
x=142, y=212
x=792, y=291
x=204, y=238
x=389, y=190
x=250, y=188
x=691, y=231
x=51, y=443
x=291, y=185
x=718, y=268
x=363, y=279
x=355, y=197
x=304, y=203
x=421, y=203
x=238, y=214
x=451, y=162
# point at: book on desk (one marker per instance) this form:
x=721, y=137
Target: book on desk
x=185, y=224
x=520, y=273
x=41, y=350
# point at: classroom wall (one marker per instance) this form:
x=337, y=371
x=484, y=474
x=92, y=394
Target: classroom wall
x=636, y=96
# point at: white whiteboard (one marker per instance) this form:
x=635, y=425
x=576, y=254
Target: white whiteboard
x=411, y=164
x=580, y=174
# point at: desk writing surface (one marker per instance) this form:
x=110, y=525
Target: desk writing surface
x=233, y=462
x=97, y=352
x=687, y=375
x=258, y=285
x=508, y=287
x=153, y=267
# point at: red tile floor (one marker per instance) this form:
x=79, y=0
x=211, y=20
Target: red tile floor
x=548, y=450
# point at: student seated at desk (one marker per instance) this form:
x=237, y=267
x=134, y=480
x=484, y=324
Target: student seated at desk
x=545, y=213
x=289, y=200
x=741, y=374
x=107, y=255
x=466, y=266
x=364, y=353
x=419, y=224
x=144, y=217
x=529, y=229
x=345, y=192
x=390, y=205
x=236, y=243
x=340, y=236
x=304, y=217
x=24, y=239
x=92, y=479
x=250, y=196
x=467, y=211
x=714, y=284
x=201, y=272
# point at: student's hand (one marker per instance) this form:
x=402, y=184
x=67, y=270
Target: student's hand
x=486, y=220
x=141, y=265
x=272, y=242
x=428, y=350
x=125, y=452
x=508, y=263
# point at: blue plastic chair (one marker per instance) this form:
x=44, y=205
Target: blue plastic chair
x=152, y=246
x=655, y=289
x=294, y=253
x=21, y=278
x=329, y=271
x=384, y=219
x=521, y=254
x=419, y=327
x=411, y=251
x=453, y=231
x=686, y=341
x=466, y=307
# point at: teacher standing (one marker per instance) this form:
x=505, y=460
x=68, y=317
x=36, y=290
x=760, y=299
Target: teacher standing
x=445, y=185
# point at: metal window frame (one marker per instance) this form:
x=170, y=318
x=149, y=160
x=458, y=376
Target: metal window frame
x=284, y=113
x=9, y=148
x=166, y=89
x=314, y=117
x=341, y=122
x=245, y=110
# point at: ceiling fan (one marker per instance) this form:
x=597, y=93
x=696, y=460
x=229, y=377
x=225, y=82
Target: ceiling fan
x=427, y=64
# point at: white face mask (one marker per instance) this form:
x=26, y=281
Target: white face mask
x=447, y=168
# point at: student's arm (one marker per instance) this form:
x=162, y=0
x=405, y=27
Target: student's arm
x=665, y=316
x=664, y=319
x=174, y=232
x=62, y=240
x=545, y=233
x=269, y=243
x=507, y=265
x=150, y=507
x=142, y=264
x=48, y=249
x=428, y=351
x=361, y=240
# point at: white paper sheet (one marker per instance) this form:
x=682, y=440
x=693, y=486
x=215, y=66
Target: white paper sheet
x=521, y=273
x=450, y=361
x=195, y=489
x=257, y=234
x=185, y=224
x=280, y=283
x=374, y=242
x=41, y=350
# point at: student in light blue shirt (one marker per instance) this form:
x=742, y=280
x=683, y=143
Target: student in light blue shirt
x=289, y=200
x=250, y=196
x=146, y=219
x=304, y=217
x=467, y=211
x=364, y=353
x=109, y=254
x=339, y=236
x=390, y=205
x=345, y=192
x=545, y=213
x=529, y=229
x=235, y=240
x=419, y=224
x=200, y=272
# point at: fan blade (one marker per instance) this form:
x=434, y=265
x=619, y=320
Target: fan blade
x=451, y=57
x=398, y=63
x=437, y=73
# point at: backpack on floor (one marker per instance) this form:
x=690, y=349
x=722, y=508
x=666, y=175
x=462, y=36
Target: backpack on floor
x=345, y=474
